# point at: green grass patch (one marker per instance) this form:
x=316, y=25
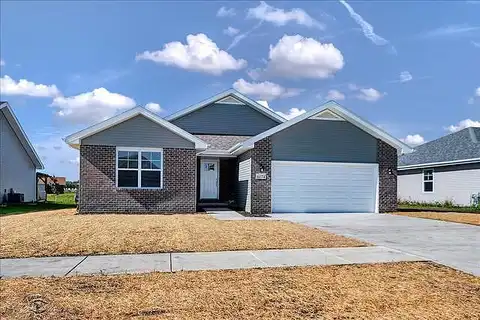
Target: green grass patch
x=446, y=206
x=54, y=202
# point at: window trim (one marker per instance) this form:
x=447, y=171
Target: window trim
x=139, y=169
x=432, y=181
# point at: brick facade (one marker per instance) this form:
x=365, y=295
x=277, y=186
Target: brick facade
x=262, y=189
x=99, y=194
x=387, y=171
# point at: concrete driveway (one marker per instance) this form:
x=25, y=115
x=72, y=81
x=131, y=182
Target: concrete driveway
x=452, y=244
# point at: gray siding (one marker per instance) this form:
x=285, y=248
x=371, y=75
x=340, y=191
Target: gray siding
x=17, y=170
x=325, y=141
x=453, y=183
x=227, y=119
x=244, y=182
x=138, y=132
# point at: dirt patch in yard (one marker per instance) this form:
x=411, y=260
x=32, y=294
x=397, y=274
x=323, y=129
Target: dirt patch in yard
x=467, y=218
x=380, y=291
x=61, y=232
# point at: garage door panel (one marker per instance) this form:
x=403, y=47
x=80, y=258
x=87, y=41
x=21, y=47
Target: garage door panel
x=323, y=187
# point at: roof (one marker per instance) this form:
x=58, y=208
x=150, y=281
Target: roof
x=22, y=136
x=74, y=139
x=231, y=93
x=216, y=142
x=60, y=180
x=460, y=147
x=331, y=110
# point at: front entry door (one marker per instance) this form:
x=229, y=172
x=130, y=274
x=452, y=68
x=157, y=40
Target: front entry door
x=209, y=179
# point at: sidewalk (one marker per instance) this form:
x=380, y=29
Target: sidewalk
x=195, y=261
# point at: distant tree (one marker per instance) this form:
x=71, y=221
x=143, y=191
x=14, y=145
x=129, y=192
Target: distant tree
x=71, y=184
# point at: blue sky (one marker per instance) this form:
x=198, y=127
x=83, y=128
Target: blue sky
x=412, y=68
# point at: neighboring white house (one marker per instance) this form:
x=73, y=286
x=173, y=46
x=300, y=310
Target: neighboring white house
x=18, y=159
x=444, y=169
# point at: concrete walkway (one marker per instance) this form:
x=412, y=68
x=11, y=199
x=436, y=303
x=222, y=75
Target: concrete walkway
x=452, y=244
x=171, y=262
x=230, y=215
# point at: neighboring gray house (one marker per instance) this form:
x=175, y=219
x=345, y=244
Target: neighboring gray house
x=18, y=159
x=444, y=169
x=230, y=149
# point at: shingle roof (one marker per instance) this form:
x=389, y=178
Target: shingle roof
x=461, y=145
x=221, y=142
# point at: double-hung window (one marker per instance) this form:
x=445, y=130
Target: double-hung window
x=139, y=168
x=428, y=180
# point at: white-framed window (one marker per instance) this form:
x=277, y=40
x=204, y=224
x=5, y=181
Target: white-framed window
x=139, y=168
x=428, y=180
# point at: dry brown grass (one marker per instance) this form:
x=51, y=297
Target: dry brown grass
x=61, y=232
x=467, y=218
x=380, y=291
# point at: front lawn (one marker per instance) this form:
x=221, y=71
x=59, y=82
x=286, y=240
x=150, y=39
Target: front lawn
x=415, y=290
x=61, y=232
x=467, y=218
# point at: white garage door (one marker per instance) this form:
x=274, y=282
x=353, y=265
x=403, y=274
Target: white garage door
x=323, y=187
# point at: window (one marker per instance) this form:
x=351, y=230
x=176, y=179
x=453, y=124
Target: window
x=428, y=180
x=139, y=168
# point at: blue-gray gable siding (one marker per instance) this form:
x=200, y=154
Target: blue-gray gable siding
x=17, y=170
x=138, y=132
x=324, y=141
x=227, y=119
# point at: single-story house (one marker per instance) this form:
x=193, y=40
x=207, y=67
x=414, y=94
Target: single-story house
x=18, y=159
x=445, y=169
x=231, y=149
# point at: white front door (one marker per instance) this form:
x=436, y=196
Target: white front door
x=209, y=170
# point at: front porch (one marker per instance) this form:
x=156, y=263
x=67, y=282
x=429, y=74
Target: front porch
x=216, y=182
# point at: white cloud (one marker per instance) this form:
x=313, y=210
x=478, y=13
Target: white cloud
x=265, y=90
x=353, y=87
x=236, y=40
x=281, y=17
x=292, y=113
x=226, y=12
x=299, y=57
x=2, y=62
x=88, y=107
x=369, y=94
x=413, y=140
x=476, y=95
x=405, y=76
x=475, y=44
x=367, y=28
x=199, y=54
x=75, y=161
x=23, y=87
x=231, y=31
x=456, y=30
x=153, y=107
x=462, y=125
x=335, y=95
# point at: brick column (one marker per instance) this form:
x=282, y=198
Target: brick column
x=262, y=189
x=387, y=170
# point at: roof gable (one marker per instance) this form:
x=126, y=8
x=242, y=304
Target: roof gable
x=74, y=139
x=21, y=135
x=329, y=111
x=455, y=147
x=228, y=97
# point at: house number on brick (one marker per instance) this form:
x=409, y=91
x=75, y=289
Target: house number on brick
x=261, y=176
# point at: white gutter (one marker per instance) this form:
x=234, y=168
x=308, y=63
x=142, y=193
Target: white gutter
x=439, y=164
